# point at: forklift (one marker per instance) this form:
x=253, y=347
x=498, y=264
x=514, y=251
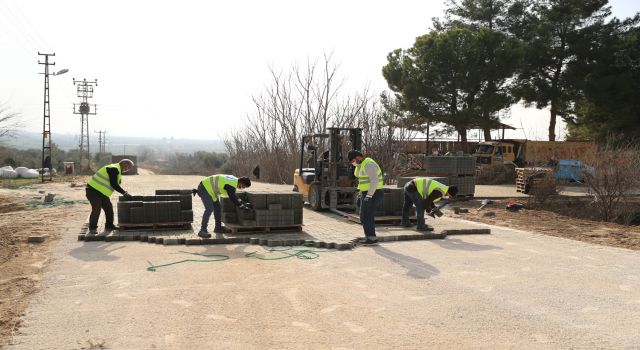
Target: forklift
x=328, y=181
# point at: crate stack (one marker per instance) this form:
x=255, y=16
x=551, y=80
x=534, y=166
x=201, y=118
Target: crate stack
x=166, y=207
x=269, y=210
x=391, y=203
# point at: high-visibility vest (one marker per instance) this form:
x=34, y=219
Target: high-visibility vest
x=427, y=185
x=363, y=179
x=100, y=180
x=214, y=185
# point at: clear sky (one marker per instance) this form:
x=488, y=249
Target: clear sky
x=188, y=69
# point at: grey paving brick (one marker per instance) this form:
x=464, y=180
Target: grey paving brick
x=171, y=241
x=193, y=241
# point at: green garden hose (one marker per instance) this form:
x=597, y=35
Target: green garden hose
x=305, y=254
x=217, y=257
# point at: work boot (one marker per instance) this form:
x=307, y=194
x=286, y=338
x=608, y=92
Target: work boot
x=406, y=223
x=221, y=229
x=424, y=228
x=204, y=234
x=111, y=227
x=92, y=231
x=368, y=241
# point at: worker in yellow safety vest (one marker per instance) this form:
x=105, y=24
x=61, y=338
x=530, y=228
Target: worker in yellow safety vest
x=100, y=187
x=370, y=181
x=210, y=189
x=424, y=192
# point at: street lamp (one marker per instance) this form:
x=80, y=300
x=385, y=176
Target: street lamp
x=46, y=123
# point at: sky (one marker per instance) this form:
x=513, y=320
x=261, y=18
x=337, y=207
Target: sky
x=188, y=69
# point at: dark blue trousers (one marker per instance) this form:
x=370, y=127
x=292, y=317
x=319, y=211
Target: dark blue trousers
x=209, y=207
x=368, y=212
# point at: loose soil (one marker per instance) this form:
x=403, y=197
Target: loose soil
x=555, y=224
x=21, y=263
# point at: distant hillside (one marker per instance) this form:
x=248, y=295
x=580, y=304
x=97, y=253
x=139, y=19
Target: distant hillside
x=118, y=144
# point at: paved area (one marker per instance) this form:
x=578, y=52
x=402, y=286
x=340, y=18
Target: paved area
x=318, y=226
x=510, y=289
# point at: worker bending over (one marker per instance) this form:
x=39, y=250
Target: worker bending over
x=370, y=181
x=100, y=187
x=210, y=190
x=424, y=192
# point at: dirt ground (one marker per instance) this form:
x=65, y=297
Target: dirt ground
x=21, y=263
x=553, y=224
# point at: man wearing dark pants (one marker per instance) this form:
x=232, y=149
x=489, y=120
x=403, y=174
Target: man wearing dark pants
x=210, y=190
x=423, y=192
x=100, y=187
x=370, y=181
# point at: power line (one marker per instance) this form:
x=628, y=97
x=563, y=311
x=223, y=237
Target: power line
x=19, y=43
x=24, y=33
x=35, y=31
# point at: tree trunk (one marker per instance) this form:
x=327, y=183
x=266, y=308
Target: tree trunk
x=552, y=121
x=463, y=135
x=487, y=134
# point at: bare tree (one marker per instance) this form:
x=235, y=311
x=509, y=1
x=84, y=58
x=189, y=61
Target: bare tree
x=612, y=176
x=306, y=100
x=10, y=122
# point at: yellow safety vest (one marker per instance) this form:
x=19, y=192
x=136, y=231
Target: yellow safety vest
x=363, y=178
x=214, y=185
x=100, y=180
x=427, y=185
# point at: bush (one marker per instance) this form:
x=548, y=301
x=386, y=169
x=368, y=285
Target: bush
x=612, y=177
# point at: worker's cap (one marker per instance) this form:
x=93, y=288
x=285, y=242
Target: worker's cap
x=453, y=191
x=353, y=154
x=126, y=161
x=245, y=181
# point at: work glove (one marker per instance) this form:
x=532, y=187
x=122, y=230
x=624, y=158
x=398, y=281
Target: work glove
x=248, y=205
x=435, y=212
x=367, y=200
x=127, y=196
x=244, y=207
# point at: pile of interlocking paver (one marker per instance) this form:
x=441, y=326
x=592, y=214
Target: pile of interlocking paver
x=166, y=207
x=456, y=171
x=391, y=203
x=269, y=209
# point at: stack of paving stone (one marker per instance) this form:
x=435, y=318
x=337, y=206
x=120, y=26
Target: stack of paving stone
x=269, y=210
x=391, y=203
x=166, y=207
x=456, y=171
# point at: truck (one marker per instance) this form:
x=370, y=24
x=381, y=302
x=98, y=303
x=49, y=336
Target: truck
x=523, y=153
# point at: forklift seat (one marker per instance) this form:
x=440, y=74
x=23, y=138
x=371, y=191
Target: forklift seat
x=308, y=178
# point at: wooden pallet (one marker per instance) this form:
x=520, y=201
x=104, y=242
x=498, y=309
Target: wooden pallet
x=178, y=225
x=235, y=228
x=523, y=173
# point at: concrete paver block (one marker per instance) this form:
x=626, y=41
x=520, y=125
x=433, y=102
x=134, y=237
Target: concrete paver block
x=171, y=241
x=193, y=241
x=344, y=246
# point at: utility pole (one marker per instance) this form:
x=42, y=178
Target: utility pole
x=47, y=160
x=46, y=123
x=85, y=92
x=102, y=140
